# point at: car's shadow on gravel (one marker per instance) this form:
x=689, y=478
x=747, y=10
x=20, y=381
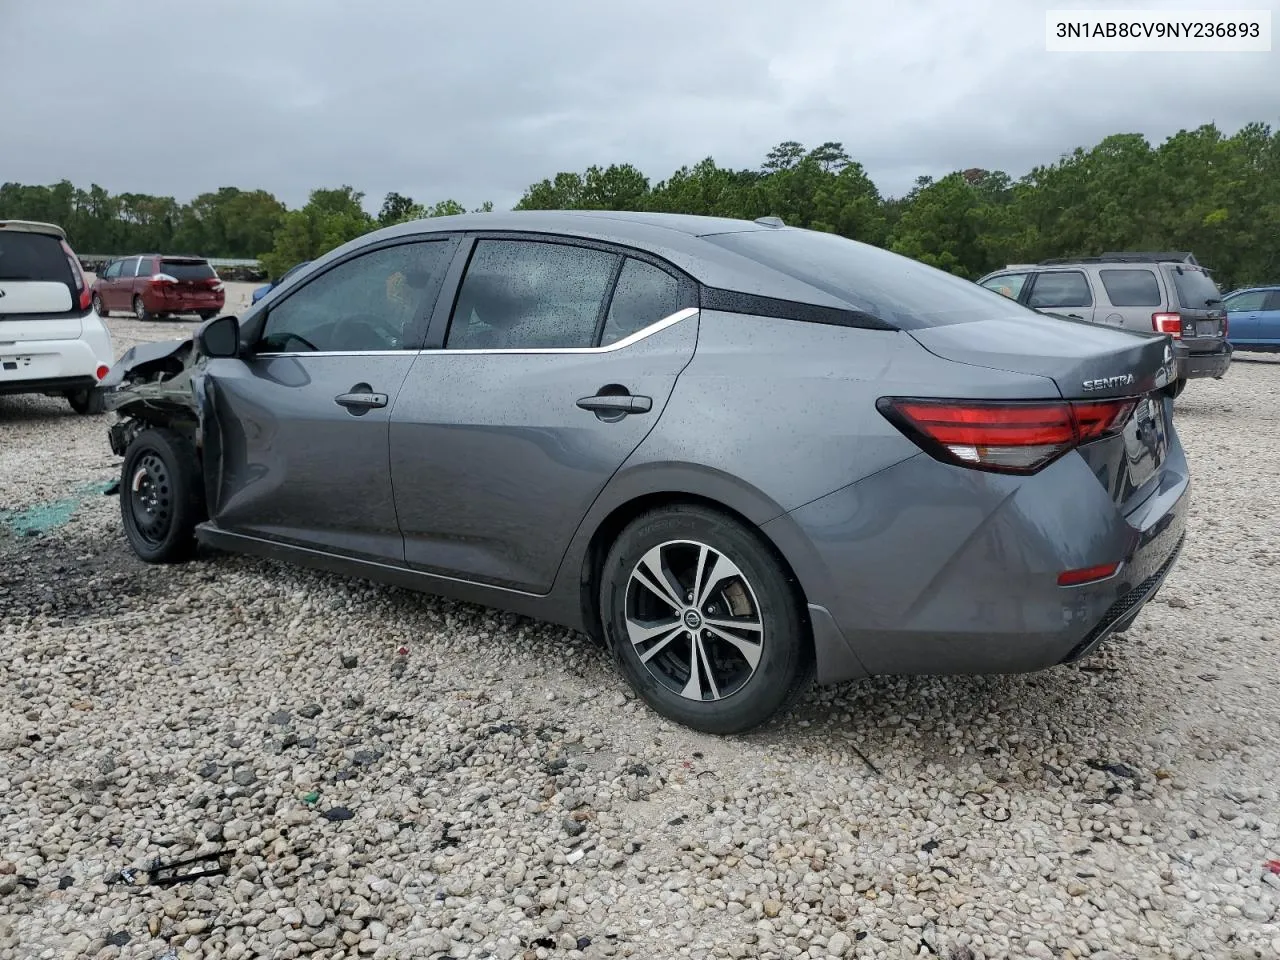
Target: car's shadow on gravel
x=17, y=409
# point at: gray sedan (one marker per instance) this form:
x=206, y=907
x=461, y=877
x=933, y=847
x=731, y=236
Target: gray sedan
x=739, y=454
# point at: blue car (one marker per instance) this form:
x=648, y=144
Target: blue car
x=264, y=290
x=1253, y=316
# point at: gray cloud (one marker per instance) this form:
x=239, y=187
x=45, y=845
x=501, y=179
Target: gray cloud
x=477, y=101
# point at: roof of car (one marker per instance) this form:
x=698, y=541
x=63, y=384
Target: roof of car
x=676, y=238
x=34, y=226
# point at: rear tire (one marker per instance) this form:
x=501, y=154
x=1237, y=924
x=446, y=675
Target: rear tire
x=1178, y=386
x=140, y=310
x=90, y=402
x=99, y=307
x=752, y=654
x=161, y=496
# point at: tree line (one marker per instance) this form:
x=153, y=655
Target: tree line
x=1217, y=196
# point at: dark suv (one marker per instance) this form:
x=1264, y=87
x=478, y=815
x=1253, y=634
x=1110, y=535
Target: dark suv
x=1169, y=293
x=155, y=286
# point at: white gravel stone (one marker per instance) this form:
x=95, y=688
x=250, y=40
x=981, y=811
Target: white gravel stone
x=1124, y=807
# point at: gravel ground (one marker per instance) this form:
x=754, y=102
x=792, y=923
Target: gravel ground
x=401, y=776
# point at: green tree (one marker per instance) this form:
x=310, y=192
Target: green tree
x=330, y=218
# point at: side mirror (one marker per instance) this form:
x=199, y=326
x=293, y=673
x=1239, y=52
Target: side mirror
x=219, y=337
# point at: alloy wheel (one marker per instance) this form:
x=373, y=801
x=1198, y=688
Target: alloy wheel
x=693, y=620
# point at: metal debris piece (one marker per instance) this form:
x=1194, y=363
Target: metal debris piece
x=162, y=874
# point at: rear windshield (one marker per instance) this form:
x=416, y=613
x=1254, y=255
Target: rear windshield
x=1195, y=290
x=893, y=288
x=33, y=256
x=187, y=269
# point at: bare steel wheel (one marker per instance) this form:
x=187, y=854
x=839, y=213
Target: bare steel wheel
x=704, y=619
x=694, y=621
x=161, y=495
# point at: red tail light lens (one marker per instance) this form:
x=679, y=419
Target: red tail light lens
x=1170, y=323
x=1074, y=578
x=85, y=297
x=1004, y=437
x=102, y=371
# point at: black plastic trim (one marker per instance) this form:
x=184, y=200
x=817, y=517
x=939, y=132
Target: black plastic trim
x=733, y=301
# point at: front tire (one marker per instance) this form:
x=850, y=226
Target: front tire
x=90, y=402
x=703, y=620
x=99, y=307
x=140, y=309
x=161, y=496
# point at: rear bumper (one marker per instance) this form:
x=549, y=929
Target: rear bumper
x=54, y=366
x=53, y=385
x=930, y=569
x=1193, y=366
x=158, y=304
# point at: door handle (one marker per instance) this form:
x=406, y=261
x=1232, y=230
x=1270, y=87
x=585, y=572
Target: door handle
x=361, y=401
x=1075, y=316
x=619, y=405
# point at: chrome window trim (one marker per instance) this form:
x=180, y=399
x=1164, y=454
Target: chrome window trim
x=641, y=334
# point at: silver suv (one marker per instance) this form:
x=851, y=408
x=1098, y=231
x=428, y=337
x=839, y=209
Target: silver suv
x=1167, y=293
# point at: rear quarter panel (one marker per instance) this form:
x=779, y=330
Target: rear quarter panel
x=772, y=414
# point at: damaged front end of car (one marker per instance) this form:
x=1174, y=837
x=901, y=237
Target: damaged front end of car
x=153, y=385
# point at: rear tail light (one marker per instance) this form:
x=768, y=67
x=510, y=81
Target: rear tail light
x=85, y=297
x=1004, y=436
x=1170, y=323
x=1226, y=324
x=160, y=278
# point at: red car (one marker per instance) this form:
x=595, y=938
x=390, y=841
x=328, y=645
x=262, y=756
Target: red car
x=151, y=286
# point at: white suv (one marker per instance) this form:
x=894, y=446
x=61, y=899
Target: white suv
x=51, y=341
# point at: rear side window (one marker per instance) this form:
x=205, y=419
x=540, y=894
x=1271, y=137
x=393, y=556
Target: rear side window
x=33, y=256
x=1067, y=288
x=146, y=267
x=1273, y=301
x=187, y=269
x=900, y=291
x=522, y=295
x=1131, y=288
x=1195, y=290
x=644, y=295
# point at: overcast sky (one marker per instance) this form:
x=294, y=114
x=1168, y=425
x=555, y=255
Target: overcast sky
x=477, y=100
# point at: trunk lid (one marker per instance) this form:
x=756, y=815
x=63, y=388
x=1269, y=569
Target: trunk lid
x=1086, y=362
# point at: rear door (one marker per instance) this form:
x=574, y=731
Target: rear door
x=1204, y=319
x=1269, y=320
x=302, y=418
x=556, y=362
x=1133, y=294
x=1067, y=292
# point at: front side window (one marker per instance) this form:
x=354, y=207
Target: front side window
x=1131, y=288
x=1067, y=288
x=523, y=294
x=643, y=296
x=369, y=302
x=1247, y=302
x=1007, y=284
x=112, y=271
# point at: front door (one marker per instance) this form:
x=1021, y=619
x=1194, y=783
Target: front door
x=557, y=362
x=1062, y=291
x=117, y=294
x=1244, y=312
x=302, y=421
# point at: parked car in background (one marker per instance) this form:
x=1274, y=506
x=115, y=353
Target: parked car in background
x=51, y=341
x=151, y=285
x=267, y=288
x=1167, y=293
x=735, y=451
x=1255, y=318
